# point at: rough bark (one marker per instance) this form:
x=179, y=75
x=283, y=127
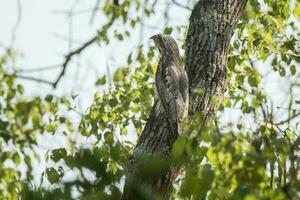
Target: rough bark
x=212, y=23
x=211, y=27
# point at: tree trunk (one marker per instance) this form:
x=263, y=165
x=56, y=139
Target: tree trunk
x=211, y=27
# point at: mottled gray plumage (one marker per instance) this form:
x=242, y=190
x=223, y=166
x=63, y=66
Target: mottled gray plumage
x=171, y=81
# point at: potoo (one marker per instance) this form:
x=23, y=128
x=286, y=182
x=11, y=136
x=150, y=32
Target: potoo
x=171, y=81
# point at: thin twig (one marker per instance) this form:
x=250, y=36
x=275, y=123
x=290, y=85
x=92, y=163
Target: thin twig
x=19, y=18
x=77, y=51
x=289, y=119
x=181, y=5
x=69, y=56
x=31, y=79
x=65, y=38
x=94, y=12
x=166, y=14
x=66, y=12
x=121, y=143
x=70, y=18
x=39, y=69
x=77, y=112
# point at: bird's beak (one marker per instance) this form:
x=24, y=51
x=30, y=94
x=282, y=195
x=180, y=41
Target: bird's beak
x=152, y=37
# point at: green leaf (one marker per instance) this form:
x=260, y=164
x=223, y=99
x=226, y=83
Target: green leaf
x=3, y=125
x=168, y=30
x=124, y=131
x=282, y=71
x=49, y=98
x=104, y=117
x=250, y=197
x=178, y=147
x=20, y=88
x=254, y=80
x=16, y=158
x=51, y=128
x=58, y=154
x=211, y=156
x=289, y=134
x=52, y=175
x=293, y=69
x=129, y=59
x=255, y=102
x=231, y=63
x=101, y=81
x=109, y=138
x=36, y=120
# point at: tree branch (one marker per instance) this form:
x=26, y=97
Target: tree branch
x=39, y=69
x=15, y=27
x=77, y=51
x=94, y=12
x=31, y=79
x=181, y=5
x=69, y=56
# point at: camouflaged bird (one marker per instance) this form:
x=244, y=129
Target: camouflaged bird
x=171, y=81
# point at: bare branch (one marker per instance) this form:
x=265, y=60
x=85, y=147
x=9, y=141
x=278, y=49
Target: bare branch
x=69, y=56
x=181, y=5
x=94, y=12
x=79, y=12
x=14, y=30
x=39, y=69
x=66, y=38
x=289, y=110
x=77, y=51
x=289, y=119
x=166, y=14
x=31, y=79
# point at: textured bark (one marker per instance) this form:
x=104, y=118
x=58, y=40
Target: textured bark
x=211, y=27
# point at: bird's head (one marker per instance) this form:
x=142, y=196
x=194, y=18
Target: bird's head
x=166, y=44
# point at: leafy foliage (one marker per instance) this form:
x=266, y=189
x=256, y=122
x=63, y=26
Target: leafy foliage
x=224, y=161
x=21, y=121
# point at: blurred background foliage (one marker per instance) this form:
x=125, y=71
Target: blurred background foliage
x=257, y=156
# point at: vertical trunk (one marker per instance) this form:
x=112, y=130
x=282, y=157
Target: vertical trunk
x=211, y=26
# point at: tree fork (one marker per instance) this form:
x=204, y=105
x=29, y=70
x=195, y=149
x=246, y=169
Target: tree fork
x=212, y=23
